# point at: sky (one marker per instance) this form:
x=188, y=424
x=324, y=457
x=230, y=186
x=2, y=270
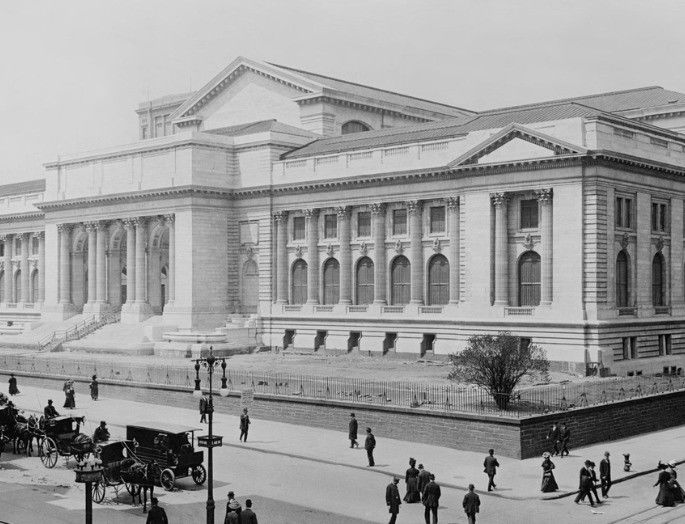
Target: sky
x=75, y=70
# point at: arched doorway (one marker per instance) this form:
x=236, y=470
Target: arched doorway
x=79, y=268
x=438, y=281
x=400, y=281
x=365, y=281
x=17, y=286
x=658, y=280
x=158, y=271
x=123, y=285
x=2, y=287
x=331, y=281
x=299, y=282
x=34, y=287
x=163, y=282
x=249, y=298
x=622, y=279
x=529, y=279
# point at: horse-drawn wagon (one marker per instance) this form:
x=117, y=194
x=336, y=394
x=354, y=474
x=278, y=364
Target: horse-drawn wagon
x=64, y=439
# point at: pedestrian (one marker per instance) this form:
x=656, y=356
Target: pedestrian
x=49, y=411
x=156, y=515
x=94, y=387
x=423, y=479
x=593, y=484
x=565, y=435
x=203, y=408
x=549, y=483
x=69, y=394
x=411, y=479
x=244, y=425
x=605, y=474
x=231, y=517
x=101, y=433
x=233, y=505
x=471, y=504
x=584, y=484
x=678, y=494
x=247, y=516
x=13, y=385
x=354, y=427
x=392, y=499
x=369, y=446
x=490, y=466
x=554, y=437
x=665, y=496
x=431, y=500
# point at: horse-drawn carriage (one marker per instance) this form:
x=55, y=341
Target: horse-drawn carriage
x=64, y=439
x=15, y=427
x=172, y=447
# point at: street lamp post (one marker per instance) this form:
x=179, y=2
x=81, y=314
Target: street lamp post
x=87, y=472
x=210, y=441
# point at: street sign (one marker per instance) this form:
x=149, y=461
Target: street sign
x=203, y=441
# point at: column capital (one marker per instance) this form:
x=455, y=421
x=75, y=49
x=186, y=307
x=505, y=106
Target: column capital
x=24, y=236
x=310, y=213
x=129, y=223
x=139, y=221
x=452, y=202
x=377, y=208
x=499, y=199
x=169, y=219
x=101, y=225
x=544, y=196
x=90, y=227
x=280, y=216
x=39, y=235
x=64, y=228
x=343, y=211
x=6, y=237
x=414, y=206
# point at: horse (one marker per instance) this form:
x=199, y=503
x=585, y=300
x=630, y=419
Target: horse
x=26, y=430
x=142, y=477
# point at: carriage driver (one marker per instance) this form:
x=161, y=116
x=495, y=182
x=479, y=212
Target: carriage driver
x=101, y=433
x=49, y=411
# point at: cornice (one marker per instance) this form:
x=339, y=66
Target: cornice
x=366, y=107
x=31, y=215
x=637, y=124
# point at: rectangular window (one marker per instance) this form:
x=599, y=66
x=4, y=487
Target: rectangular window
x=629, y=348
x=159, y=126
x=143, y=132
x=659, y=217
x=17, y=246
x=34, y=246
x=529, y=214
x=363, y=224
x=2, y=249
x=437, y=219
x=330, y=226
x=624, y=212
x=298, y=228
x=664, y=345
x=399, y=222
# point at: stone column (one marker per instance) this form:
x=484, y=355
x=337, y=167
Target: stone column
x=41, y=266
x=100, y=262
x=25, y=280
x=9, y=243
x=345, y=255
x=379, y=265
x=140, y=224
x=171, y=277
x=415, y=212
x=453, y=225
x=499, y=200
x=91, y=230
x=544, y=197
x=281, y=218
x=312, y=217
x=64, y=264
x=130, y=227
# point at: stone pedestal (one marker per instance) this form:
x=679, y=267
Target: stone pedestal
x=136, y=312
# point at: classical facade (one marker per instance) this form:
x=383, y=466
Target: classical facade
x=343, y=217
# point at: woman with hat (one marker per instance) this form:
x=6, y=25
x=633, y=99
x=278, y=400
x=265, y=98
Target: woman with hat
x=411, y=479
x=678, y=495
x=232, y=506
x=549, y=483
x=13, y=385
x=665, y=496
x=94, y=388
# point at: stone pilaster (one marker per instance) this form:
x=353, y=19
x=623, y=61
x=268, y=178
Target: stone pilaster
x=544, y=197
x=415, y=212
x=499, y=200
x=9, y=244
x=41, y=266
x=171, y=277
x=64, y=264
x=643, y=281
x=281, y=218
x=130, y=227
x=91, y=230
x=345, y=255
x=453, y=226
x=379, y=266
x=25, y=270
x=312, y=218
x=141, y=239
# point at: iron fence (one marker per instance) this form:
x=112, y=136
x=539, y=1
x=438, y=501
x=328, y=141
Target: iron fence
x=552, y=398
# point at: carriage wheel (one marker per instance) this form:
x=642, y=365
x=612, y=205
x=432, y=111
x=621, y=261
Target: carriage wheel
x=199, y=474
x=131, y=488
x=48, y=453
x=167, y=479
x=99, y=491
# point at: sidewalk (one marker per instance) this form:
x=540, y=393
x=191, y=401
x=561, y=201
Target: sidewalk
x=516, y=479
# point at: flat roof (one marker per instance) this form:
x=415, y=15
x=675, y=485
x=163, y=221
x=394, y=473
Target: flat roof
x=163, y=427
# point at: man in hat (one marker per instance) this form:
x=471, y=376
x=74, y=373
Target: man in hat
x=605, y=474
x=554, y=437
x=369, y=446
x=94, y=388
x=204, y=402
x=101, y=433
x=424, y=478
x=156, y=514
x=471, y=504
x=13, y=385
x=247, y=516
x=49, y=411
x=431, y=500
x=244, y=425
x=593, y=484
x=584, y=484
x=393, y=500
x=565, y=434
x=354, y=426
x=490, y=466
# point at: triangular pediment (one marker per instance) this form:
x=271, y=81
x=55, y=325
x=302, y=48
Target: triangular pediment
x=516, y=142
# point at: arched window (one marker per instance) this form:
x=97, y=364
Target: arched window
x=34, y=287
x=331, y=281
x=529, y=279
x=299, y=282
x=622, y=280
x=400, y=280
x=354, y=126
x=438, y=281
x=658, y=280
x=17, y=286
x=364, y=281
x=250, y=294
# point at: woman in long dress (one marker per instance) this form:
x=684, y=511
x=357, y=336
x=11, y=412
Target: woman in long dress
x=549, y=483
x=665, y=496
x=412, y=481
x=678, y=495
x=69, y=395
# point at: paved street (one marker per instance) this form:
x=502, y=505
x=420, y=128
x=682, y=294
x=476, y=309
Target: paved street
x=297, y=474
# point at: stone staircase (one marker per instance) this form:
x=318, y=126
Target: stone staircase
x=90, y=324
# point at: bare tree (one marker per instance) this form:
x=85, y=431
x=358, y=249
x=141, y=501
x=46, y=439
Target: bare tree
x=498, y=363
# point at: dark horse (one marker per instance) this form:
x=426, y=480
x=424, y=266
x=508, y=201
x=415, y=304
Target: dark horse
x=142, y=479
x=26, y=430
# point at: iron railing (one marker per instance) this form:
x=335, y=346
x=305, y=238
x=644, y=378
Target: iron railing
x=77, y=331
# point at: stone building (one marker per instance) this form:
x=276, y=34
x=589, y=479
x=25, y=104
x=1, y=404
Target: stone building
x=343, y=217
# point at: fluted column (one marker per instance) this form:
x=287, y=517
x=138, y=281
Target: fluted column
x=171, y=277
x=9, y=244
x=100, y=262
x=91, y=230
x=544, y=197
x=140, y=258
x=281, y=218
x=345, y=255
x=415, y=211
x=64, y=264
x=130, y=227
x=379, y=265
x=499, y=200
x=41, y=266
x=25, y=290
x=453, y=224
x=312, y=217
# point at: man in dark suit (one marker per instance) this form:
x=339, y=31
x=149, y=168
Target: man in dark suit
x=354, y=426
x=247, y=516
x=554, y=436
x=565, y=435
x=585, y=484
x=156, y=515
x=431, y=500
x=471, y=504
x=49, y=411
x=369, y=446
x=393, y=500
x=424, y=478
x=490, y=464
x=605, y=474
